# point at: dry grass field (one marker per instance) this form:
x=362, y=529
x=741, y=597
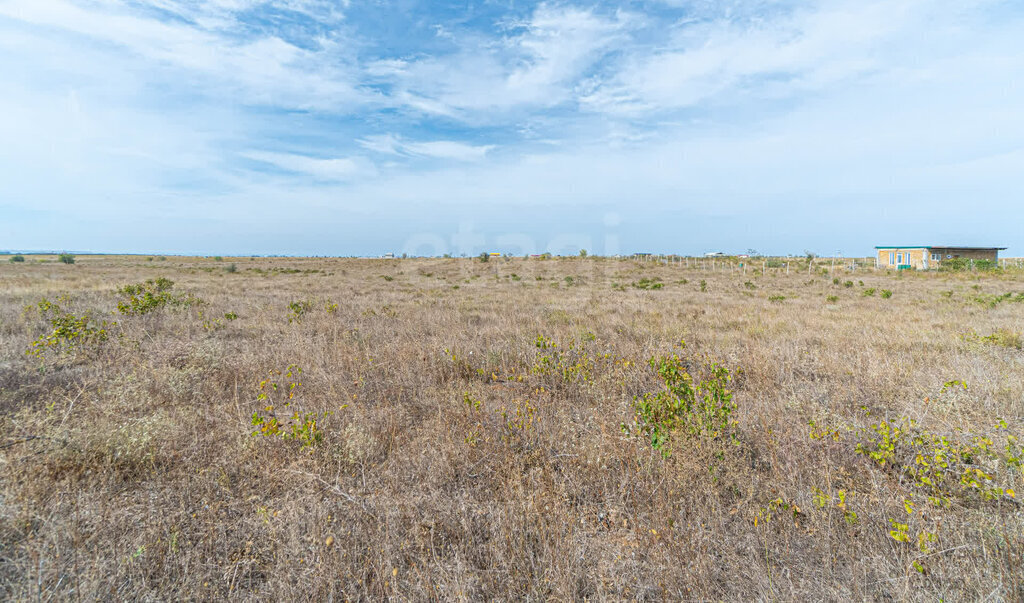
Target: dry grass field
x=450, y=429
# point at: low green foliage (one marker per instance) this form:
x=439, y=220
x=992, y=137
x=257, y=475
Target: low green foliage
x=966, y=264
x=832, y=299
x=694, y=408
x=870, y=292
x=776, y=298
x=16, y=259
x=943, y=467
x=297, y=309
x=1001, y=337
x=66, y=258
x=570, y=361
x=886, y=294
x=152, y=295
x=994, y=300
x=648, y=284
x=68, y=332
x=280, y=392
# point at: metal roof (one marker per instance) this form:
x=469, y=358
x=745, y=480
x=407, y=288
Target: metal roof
x=938, y=247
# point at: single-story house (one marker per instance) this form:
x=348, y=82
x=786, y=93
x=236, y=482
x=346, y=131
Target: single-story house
x=903, y=257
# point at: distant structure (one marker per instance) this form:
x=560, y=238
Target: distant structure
x=714, y=254
x=388, y=256
x=922, y=257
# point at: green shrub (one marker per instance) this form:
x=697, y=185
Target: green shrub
x=832, y=299
x=217, y=258
x=143, y=298
x=231, y=269
x=694, y=409
x=17, y=258
x=648, y=284
x=886, y=294
x=484, y=257
x=776, y=298
x=68, y=332
x=279, y=393
x=869, y=292
x=66, y=258
x=297, y=309
x=1002, y=337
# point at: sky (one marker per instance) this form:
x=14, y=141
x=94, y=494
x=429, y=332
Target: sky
x=351, y=127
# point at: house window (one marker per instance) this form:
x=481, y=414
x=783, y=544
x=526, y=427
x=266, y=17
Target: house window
x=892, y=258
x=936, y=256
x=899, y=258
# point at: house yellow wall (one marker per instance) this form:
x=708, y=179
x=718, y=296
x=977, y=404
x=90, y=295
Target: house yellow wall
x=915, y=259
x=916, y=256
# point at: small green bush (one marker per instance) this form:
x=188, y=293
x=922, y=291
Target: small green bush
x=869, y=292
x=297, y=309
x=66, y=258
x=17, y=258
x=143, y=298
x=832, y=299
x=68, y=332
x=648, y=284
x=697, y=409
x=777, y=299
x=886, y=294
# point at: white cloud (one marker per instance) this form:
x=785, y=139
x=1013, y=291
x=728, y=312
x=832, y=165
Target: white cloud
x=440, y=149
x=537, y=65
x=256, y=70
x=334, y=169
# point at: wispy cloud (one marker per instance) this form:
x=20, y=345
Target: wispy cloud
x=390, y=144
x=330, y=169
x=534, y=62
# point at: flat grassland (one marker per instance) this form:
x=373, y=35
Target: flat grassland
x=332, y=429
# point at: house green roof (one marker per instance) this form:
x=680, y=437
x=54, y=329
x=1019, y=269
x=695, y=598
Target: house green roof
x=937, y=247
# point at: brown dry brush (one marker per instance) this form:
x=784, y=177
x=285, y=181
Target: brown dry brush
x=451, y=461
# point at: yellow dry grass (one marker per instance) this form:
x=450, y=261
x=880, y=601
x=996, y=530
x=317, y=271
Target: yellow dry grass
x=129, y=469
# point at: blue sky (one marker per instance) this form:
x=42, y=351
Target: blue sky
x=335, y=127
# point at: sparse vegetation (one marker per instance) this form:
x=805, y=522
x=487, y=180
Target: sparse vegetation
x=16, y=259
x=520, y=438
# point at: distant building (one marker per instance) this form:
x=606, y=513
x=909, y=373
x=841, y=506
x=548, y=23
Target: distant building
x=714, y=254
x=923, y=258
x=388, y=256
